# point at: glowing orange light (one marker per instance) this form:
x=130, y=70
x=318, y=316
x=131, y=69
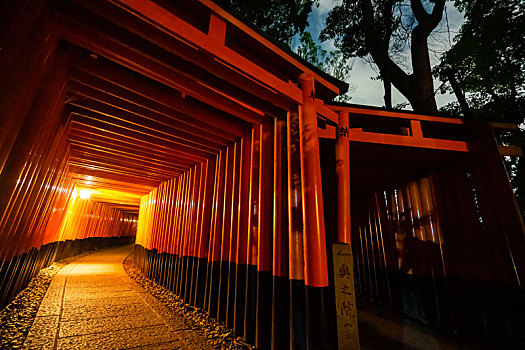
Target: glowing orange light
x=84, y=194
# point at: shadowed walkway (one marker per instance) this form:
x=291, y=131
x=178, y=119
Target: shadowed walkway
x=380, y=328
x=93, y=304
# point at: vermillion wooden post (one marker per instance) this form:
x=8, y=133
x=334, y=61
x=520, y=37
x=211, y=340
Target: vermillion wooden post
x=214, y=276
x=161, y=200
x=241, y=256
x=157, y=233
x=204, y=233
x=313, y=214
x=433, y=257
x=315, y=263
x=281, y=288
x=250, y=309
x=295, y=236
x=197, y=232
x=184, y=231
x=234, y=233
x=190, y=228
x=346, y=309
x=224, y=263
x=263, y=328
x=211, y=237
x=175, y=229
x=163, y=231
x=388, y=242
x=342, y=159
x=180, y=230
x=169, y=229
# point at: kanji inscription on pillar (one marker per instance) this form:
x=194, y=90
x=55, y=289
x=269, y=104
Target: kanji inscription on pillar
x=346, y=309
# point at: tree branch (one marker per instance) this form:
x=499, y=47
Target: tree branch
x=419, y=11
x=389, y=70
x=419, y=49
x=387, y=21
x=427, y=22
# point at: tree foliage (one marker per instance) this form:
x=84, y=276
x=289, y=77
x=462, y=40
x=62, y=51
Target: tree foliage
x=488, y=57
x=310, y=51
x=281, y=19
x=384, y=29
x=285, y=19
x=333, y=63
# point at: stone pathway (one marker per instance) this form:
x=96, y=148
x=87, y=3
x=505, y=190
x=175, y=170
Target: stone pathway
x=93, y=304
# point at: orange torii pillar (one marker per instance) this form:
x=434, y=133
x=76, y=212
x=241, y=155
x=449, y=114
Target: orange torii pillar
x=281, y=284
x=295, y=236
x=315, y=262
x=342, y=161
x=347, y=335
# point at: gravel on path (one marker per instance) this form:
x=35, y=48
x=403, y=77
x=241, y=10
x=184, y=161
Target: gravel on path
x=215, y=333
x=18, y=316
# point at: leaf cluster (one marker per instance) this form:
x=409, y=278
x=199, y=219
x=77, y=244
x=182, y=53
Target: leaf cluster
x=281, y=20
x=392, y=19
x=488, y=57
x=333, y=63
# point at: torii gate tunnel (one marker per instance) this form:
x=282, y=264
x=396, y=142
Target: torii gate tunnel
x=176, y=126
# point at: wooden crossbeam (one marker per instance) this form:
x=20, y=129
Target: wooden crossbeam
x=147, y=93
x=414, y=138
x=108, y=46
x=170, y=23
x=358, y=135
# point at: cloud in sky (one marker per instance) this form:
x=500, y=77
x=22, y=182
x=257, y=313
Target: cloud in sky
x=364, y=89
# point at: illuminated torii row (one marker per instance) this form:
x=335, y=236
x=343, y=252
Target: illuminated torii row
x=244, y=173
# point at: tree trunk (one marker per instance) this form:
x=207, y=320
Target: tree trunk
x=421, y=96
x=421, y=91
x=417, y=87
x=388, y=92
